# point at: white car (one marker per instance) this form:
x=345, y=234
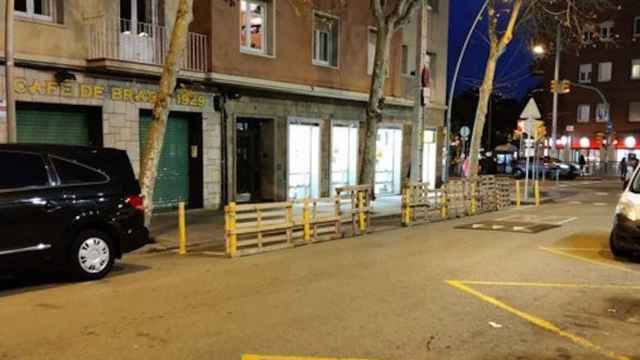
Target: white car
x=625, y=236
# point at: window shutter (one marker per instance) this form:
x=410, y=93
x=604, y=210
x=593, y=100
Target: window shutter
x=335, y=45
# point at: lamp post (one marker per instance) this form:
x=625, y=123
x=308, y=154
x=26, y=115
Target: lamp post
x=445, y=172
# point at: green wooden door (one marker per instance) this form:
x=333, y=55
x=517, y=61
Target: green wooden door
x=65, y=127
x=172, y=183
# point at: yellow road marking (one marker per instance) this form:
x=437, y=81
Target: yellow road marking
x=601, y=263
x=580, y=249
x=544, y=324
x=270, y=357
x=551, y=285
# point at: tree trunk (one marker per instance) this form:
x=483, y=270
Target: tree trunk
x=155, y=140
x=375, y=106
x=481, y=112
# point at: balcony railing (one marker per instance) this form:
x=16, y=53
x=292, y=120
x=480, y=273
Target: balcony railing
x=124, y=40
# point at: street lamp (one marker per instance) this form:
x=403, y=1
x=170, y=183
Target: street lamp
x=452, y=90
x=538, y=50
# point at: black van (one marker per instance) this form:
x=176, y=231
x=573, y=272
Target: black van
x=67, y=207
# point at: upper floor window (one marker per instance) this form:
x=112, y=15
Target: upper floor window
x=636, y=26
x=587, y=37
x=584, y=74
x=255, y=26
x=404, y=65
x=326, y=31
x=635, y=69
x=602, y=112
x=604, y=71
x=634, y=111
x=584, y=113
x=606, y=31
x=36, y=9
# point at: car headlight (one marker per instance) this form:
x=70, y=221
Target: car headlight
x=627, y=210
x=564, y=166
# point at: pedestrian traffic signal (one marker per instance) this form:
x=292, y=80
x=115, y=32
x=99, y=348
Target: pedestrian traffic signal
x=553, y=86
x=565, y=87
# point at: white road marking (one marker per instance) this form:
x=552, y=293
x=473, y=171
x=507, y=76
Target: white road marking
x=599, y=204
x=575, y=202
x=602, y=193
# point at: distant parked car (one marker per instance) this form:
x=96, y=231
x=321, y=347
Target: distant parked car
x=547, y=165
x=625, y=235
x=67, y=207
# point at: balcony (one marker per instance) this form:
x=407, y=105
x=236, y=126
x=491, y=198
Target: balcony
x=125, y=45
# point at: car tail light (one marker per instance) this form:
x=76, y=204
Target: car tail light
x=136, y=201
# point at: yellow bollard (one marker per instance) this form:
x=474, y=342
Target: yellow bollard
x=474, y=204
x=518, y=201
x=445, y=205
x=232, y=238
x=182, y=230
x=406, y=208
x=537, y=190
x=361, y=216
x=306, y=221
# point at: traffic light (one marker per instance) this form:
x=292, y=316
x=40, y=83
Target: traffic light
x=553, y=86
x=565, y=87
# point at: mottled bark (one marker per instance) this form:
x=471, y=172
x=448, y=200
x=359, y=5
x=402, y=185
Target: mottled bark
x=155, y=140
x=496, y=49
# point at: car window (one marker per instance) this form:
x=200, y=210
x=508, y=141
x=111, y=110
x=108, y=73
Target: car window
x=72, y=173
x=22, y=170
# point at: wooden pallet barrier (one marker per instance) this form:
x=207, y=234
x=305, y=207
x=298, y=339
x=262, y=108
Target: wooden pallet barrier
x=421, y=203
x=357, y=200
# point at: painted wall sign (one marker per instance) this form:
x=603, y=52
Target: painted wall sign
x=100, y=92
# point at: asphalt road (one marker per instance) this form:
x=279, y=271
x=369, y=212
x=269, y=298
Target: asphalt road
x=425, y=292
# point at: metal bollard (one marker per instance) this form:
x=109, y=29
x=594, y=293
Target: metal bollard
x=406, y=208
x=445, y=205
x=537, y=192
x=361, y=216
x=306, y=221
x=182, y=230
x=474, y=201
x=232, y=238
x=518, y=194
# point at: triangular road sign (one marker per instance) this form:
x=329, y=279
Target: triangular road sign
x=531, y=111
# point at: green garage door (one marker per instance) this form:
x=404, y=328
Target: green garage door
x=65, y=127
x=172, y=184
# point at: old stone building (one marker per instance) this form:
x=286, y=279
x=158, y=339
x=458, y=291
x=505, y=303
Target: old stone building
x=270, y=100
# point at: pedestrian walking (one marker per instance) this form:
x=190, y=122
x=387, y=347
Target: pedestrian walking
x=582, y=162
x=622, y=168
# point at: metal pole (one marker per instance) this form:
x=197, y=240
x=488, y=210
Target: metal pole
x=556, y=76
x=445, y=173
x=9, y=62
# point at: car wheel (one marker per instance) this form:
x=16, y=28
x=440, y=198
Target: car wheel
x=616, y=250
x=92, y=255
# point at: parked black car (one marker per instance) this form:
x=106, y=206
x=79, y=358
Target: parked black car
x=547, y=164
x=67, y=208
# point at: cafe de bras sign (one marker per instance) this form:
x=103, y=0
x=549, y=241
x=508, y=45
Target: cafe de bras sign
x=69, y=89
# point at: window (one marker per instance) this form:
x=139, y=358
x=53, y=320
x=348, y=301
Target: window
x=371, y=50
x=325, y=40
x=28, y=171
x=72, y=173
x=606, y=31
x=255, y=26
x=587, y=37
x=636, y=26
x=602, y=113
x=584, y=75
x=404, y=66
x=604, y=71
x=35, y=9
x=584, y=113
x=634, y=111
x=635, y=69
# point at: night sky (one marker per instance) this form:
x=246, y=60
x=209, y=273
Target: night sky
x=512, y=77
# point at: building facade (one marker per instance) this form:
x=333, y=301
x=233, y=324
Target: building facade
x=270, y=99
x=608, y=59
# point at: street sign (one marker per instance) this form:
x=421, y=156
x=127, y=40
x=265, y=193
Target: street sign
x=530, y=152
x=531, y=111
x=465, y=131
